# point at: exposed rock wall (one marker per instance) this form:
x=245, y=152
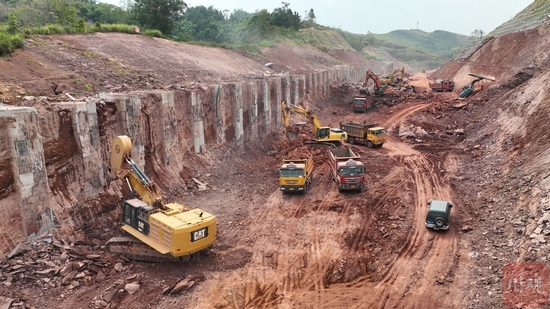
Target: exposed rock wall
x=24, y=205
x=167, y=129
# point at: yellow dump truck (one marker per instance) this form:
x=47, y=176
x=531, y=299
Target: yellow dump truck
x=371, y=135
x=295, y=174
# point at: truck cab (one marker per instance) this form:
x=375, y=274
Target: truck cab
x=377, y=135
x=351, y=175
x=361, y=104
x=295, y=175
x=347, y=169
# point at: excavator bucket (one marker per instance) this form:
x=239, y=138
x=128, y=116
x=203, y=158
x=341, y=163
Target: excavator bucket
x=292, y=132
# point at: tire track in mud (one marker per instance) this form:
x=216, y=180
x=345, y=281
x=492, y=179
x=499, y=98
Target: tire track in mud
x=423, y=249
x=410, y=281
x=285, y=261
x=288, y=265
x=431, y=253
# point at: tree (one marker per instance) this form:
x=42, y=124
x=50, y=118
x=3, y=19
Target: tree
x=13, y=24
x=284, y=17
x=64, y=13
x=311, y=15
x=477, y=35
x=310, y=21
x=207, y=23
x=159, y=14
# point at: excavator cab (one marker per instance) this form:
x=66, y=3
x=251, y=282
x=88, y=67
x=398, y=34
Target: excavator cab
x=135, y=213
x=323, y=132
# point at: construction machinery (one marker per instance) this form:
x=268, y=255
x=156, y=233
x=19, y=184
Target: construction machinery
x=468, y=90
x=347, y=169
x=442, y=85
x=159, y=231
x=322, y=135
x=361, y=104
x=371, y=135
x=295, y=174
x=394, y=77
x=378, y=88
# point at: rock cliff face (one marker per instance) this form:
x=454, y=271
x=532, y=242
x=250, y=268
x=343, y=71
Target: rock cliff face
x=511, y=185
x=55, y=161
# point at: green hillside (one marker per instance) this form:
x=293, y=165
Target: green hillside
x=419, y=49
x=530, y=17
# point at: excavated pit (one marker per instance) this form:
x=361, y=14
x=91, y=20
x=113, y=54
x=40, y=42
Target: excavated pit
x=487, y=153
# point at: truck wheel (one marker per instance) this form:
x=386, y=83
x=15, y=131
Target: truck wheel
x=369, y=144
x=305, y=190
x=439, y=222
x=352, y=140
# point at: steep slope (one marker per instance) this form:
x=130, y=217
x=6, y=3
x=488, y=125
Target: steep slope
x=98, y=62
x=510, y=173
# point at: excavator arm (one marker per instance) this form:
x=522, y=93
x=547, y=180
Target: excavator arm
x=290, y=131
x=322, y=134
x=374, y=78
x=287, y=108
x=466, y=91
x=125, y=168
x=378, y=89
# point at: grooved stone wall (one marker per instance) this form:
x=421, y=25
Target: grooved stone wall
x=24, y=203
x=164, y=126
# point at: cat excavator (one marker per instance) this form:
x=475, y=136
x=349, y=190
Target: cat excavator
x=159, y=231
x=323, y=136
x=378, y=88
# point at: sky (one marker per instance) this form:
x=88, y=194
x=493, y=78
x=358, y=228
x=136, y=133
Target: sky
x=361, y=17
x=383, y=16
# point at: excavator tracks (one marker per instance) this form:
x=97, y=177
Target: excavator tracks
x=134, y=249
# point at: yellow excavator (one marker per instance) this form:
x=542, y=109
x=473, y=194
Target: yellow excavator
x=391, y=78
x=322, y=135
x=159, y=231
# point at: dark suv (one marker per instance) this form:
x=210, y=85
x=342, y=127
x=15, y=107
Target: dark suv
x=439, y=215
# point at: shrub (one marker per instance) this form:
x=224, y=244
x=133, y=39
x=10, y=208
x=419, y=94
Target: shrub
x=9, y=42
x=154, y=33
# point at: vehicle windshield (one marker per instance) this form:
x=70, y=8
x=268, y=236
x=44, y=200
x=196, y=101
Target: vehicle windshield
x=379, y=132
x=352, y=170
x=359, y=102
x=291, y=172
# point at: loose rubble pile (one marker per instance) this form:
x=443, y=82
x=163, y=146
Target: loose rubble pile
x=53, y=264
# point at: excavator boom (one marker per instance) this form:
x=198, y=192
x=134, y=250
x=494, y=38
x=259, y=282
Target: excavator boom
x=322, y=134
x=466, y=91
x=378, y=89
